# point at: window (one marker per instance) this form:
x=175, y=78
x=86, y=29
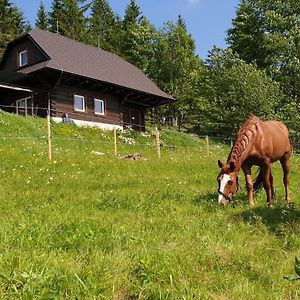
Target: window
x=79, y=103
x=23, y=58
x=99, y=107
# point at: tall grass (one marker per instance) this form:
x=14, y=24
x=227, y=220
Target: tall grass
x=90, y=226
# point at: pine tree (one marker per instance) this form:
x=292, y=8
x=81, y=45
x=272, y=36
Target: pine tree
x=67, y=17
x=56, y=15
x=133, y=14
x=12, y=23
x=42, y=21
x=104, y=26
x=177, y=69
x=137, y=37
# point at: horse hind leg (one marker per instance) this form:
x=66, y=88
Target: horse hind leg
x=272, y=185
x=286, y=167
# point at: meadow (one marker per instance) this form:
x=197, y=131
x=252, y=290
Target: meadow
x=89, y=225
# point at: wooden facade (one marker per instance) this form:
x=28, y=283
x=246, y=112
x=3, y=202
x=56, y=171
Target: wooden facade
x=54, y=86
x=62, y=99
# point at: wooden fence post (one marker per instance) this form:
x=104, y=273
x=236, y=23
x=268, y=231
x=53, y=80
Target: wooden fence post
x=115, y=141
x=157, y=135
x=49, y=136
x=207, y=145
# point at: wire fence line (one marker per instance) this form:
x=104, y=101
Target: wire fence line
x=118, y=143
x=159, y=121
x=118, y=140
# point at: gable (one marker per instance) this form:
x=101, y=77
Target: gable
x=10, y=61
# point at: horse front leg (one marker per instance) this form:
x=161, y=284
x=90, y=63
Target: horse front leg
x=266, y=169
x=286, y=167
x=249, y=184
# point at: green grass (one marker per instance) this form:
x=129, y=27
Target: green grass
x=99, y=227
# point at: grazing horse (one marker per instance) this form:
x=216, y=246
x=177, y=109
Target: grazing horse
x=257, y=143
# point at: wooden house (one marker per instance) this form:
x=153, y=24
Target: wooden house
x=94, y=87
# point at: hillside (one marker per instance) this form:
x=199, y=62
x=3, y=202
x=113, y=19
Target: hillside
x=89, y=225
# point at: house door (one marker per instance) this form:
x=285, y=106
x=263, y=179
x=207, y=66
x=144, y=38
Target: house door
x=135, y=119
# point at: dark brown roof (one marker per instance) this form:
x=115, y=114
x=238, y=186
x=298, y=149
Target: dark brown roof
x=91, y=62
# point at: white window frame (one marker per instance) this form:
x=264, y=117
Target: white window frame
x=83, y=103
x=21, y=64
x=103, y=107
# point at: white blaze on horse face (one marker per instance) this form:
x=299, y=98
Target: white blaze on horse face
x=223, y=181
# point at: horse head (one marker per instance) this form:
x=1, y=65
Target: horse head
x=228, y=182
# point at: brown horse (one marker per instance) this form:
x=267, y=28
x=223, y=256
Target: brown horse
x=257, y=143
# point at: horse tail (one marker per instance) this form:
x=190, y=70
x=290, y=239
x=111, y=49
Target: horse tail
x=258, y=182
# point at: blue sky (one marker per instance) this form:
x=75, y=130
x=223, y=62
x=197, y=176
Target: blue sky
x=206, y=20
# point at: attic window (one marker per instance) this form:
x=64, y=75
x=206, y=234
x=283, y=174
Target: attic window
x=23, y=58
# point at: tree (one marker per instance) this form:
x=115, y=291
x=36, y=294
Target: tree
x=56, y=15
x=12, y=23
x=137, y=36
x=138, y=44
x=133, y=14
x=104, y=26
x=177, y=69
x=267, y=32
x=42, y=21
x=247, y=35
x=232, y=89
x=67, y=17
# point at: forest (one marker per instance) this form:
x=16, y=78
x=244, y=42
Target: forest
x=259, y=71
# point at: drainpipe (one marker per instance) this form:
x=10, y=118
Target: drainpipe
x=52, y=89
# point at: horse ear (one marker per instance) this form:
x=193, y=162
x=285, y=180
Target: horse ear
x=232, y=166
x=220, y=164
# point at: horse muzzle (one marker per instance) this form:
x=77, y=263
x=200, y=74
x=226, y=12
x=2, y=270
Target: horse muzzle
x=226, y=197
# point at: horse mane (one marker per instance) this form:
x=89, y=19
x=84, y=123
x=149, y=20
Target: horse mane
x=244, y=141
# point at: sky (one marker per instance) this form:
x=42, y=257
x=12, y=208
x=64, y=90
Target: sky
x=206, y=20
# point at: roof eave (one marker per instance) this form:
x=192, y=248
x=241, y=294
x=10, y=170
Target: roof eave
x=166, y=100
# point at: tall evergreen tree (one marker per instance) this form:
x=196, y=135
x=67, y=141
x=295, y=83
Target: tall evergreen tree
x=42, y=20
x=12, y=23
x=177, y=69
x=137, y=36
x=56, y=15
x=104, y=26
x=67, y=17
x=133, y=14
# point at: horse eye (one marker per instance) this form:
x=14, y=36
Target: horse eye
x=230, y=182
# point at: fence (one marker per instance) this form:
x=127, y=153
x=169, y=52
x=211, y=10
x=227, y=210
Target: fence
x=117, y=142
